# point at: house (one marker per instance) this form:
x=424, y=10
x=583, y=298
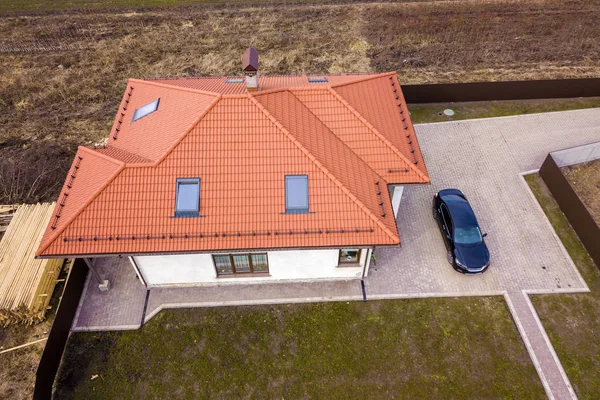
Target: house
x=264, y=178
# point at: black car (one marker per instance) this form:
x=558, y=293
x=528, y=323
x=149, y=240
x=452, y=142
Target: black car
x=467, y=251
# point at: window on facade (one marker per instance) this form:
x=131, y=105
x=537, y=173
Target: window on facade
x=187, y=199
x=296, y=194
x=349, y=256
x=145, y=110
x=232, y=264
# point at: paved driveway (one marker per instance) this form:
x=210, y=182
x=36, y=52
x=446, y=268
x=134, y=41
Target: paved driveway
x=484, y=158
x=526, y=255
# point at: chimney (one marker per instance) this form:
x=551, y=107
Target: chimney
x=250, y=67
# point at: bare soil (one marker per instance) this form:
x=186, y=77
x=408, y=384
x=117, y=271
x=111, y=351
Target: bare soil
x=585, y=179
x=62, y=75
x=18, y=367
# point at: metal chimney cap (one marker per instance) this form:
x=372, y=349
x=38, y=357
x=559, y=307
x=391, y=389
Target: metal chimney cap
x=250, y=60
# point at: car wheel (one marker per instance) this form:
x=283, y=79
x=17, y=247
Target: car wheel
x=450, y=258
x=434, y=213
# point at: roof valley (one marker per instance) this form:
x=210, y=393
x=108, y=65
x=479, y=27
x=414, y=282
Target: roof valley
x=322, y=167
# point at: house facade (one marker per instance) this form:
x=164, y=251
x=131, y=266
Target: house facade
x=225, y=180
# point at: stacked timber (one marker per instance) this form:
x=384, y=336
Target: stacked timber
x=6, y=214
x=26, y=283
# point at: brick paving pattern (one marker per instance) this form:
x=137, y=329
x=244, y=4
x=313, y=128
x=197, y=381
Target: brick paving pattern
x=484, y=158
x=553, y=377
x=119, y=308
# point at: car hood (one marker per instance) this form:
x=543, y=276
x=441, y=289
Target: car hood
x=472, y=256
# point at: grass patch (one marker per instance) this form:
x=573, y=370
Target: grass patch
x=422, y=348
x=18, y=368
x=572, y=321
x=62, y=75
x=421, y=113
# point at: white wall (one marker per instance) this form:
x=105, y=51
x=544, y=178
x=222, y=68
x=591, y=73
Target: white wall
x=396, y=194
x=292, y=265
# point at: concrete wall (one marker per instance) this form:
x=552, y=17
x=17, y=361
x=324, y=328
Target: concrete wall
x=286, y=265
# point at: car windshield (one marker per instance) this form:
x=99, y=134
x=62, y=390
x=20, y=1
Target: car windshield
x=470, y=235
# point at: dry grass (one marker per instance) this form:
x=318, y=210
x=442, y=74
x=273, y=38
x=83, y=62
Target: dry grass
x=62, y=75
x=18, y=367
x=480, y=41
x=585, y=179
x=572, y=321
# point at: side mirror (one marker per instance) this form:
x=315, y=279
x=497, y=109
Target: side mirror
x=484, y=235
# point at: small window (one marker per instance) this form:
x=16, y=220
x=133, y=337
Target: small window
x=317, y=79
x=237, y=80
x=223, y=264
x=349, y=257
x=187, y=201
x=145, y=110
x=296, y=194
x=241, y=264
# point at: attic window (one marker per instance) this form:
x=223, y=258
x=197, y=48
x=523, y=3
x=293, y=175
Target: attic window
x=145, y=110
x=296, y=194
x=237, y=80
x=187, y=199
x=317, y=79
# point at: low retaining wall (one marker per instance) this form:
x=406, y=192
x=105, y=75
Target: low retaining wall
x=59, y=333
x=510, y=90
x=571, y=205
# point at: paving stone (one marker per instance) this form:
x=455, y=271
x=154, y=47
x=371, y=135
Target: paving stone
x=481, y=157
x=484, y=158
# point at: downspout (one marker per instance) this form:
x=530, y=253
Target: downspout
x=364, y=273
x=367, y=263
x=103, y=284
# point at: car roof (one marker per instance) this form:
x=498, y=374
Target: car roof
x=461, y=212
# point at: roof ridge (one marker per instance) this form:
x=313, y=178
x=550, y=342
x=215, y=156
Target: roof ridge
x=377, y=133
x=54, y=236
x=173, y=78
x=364, y=79
x=118, y=149
x=319, y=165
x=121, y=164
x=188, y=130
x=174, y=87
x=99, y=154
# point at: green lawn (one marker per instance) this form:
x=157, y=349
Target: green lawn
x=572, y=321
x=420, y=348
x=421, y=113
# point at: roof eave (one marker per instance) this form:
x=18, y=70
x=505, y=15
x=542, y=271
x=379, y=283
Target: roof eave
x=163, y=253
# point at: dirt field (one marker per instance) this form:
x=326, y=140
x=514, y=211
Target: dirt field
x=585, y=179
x=18, y=368
x=62, y=75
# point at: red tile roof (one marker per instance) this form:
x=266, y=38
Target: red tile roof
x=351, y=135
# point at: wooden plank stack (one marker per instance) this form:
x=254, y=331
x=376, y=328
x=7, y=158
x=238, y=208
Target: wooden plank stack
x=6, y=214
x=26, y=284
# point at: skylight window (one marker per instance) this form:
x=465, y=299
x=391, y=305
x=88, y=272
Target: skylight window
x=187, y=200
x=296, y=194
x=237, y=80
x=145, y=110
x=317, y=79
